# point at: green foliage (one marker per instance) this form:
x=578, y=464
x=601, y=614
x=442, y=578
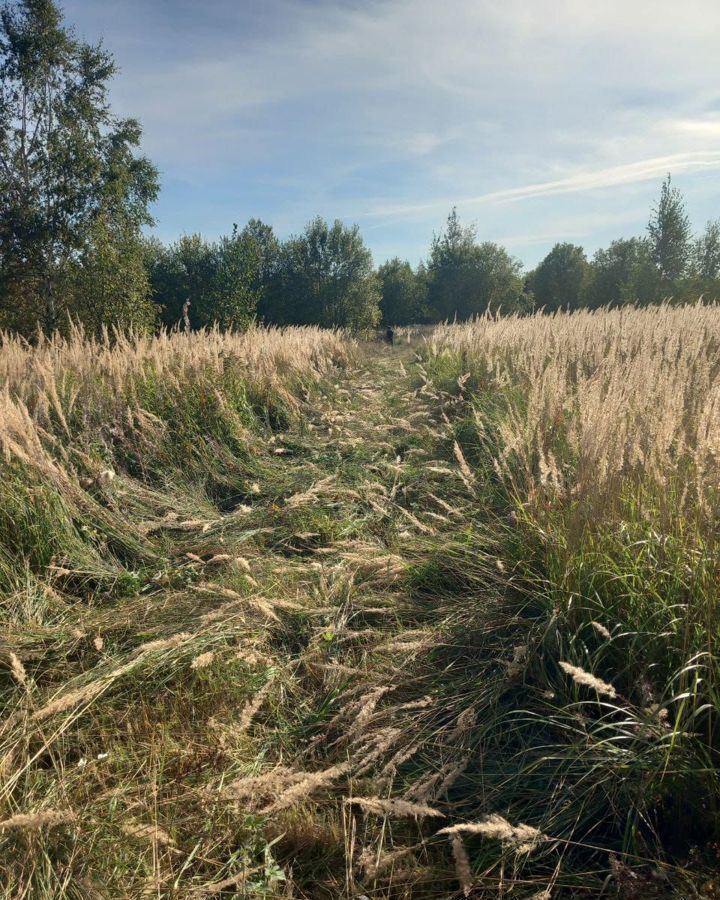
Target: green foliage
x=705, y=279
x=67, y=163
x=623, y=273
x=231, y=300
x=324, y=276
x=221, y=280
x=466, y=278
x=559, y=280
x=403, y=293
x=108, y=284
x=267, y=248
x=669, y=231
x=706, y=252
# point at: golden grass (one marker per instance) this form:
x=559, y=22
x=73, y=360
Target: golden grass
x=315, y=672
x=50, y=389
x=598, y=396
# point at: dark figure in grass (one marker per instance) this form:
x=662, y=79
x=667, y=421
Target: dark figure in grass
x=390, y=335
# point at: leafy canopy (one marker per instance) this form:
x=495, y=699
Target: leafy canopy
x=669, y=231
x=66, y=163
x=466, y=278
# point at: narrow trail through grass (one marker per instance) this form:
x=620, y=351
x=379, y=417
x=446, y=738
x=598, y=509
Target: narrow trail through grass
x=332, y=681
x=264, y=643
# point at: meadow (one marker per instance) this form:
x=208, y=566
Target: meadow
x=289, y=614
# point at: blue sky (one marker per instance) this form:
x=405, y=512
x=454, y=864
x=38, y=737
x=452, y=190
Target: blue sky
x=541, y=120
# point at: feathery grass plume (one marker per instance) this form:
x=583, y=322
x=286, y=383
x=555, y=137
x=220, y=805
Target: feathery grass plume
x=466, y=473
x=424, y=789
x=522, y=838
x=366, y=708
x=401, y=646
x=462, y=864
x=63, y=702
x=68, y=701
x=580, y=676
x=309, y=784
x=443, y=504
x=219, y=560
x=203, y=660
x=392, y=807
x=148, y=833
x=423, y=703
x=385, y=568
x=163, y=643
x=259, y=603
x=373, y=863
x=601, y=630
x=252, y=707
x=421, y=526
x=18, y=671
x=452, y=776
x=33, y=821
x=254, y=658
x=273, y=782
x=380, y=741
x=391, y=767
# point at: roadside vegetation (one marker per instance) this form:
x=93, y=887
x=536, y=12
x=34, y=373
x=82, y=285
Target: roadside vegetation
x=287, y=615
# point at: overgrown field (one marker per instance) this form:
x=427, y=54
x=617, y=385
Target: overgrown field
x=287, y=615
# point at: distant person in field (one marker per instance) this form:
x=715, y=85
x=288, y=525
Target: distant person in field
x=390, y=335
x=186, y=314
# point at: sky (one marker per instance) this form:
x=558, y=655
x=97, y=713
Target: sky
x=541, y=120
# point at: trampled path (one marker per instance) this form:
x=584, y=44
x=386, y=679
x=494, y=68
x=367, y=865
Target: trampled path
x=284, y=637
x=336, y=677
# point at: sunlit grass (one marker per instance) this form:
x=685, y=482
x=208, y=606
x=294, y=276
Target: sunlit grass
x=288, y=616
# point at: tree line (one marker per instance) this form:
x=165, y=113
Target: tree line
x=75, y=194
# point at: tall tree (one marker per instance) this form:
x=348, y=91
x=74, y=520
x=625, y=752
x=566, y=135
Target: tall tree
x=267, y=249
x=622, y=273
x=706, y=252
x=403, y=293
x=65, y=160
x=325, y=276
x=108, y=284
x=180, y=272
x=233, y=292
x=267, y=282
x=559, y=279
x=669, y=231
x=466, y=278
x=220, y=280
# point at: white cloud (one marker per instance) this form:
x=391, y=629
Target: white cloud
x=628, y=173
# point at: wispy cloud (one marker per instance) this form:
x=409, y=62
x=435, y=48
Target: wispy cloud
x=628, y=173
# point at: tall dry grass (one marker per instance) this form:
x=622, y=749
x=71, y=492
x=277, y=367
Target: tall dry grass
x=62, y=387
x=592, y=398
x=171, y=410
x=591, y=442
x=398, y=630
